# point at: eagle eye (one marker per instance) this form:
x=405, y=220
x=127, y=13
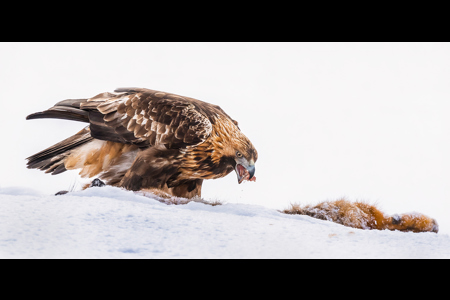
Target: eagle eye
x=238, y=154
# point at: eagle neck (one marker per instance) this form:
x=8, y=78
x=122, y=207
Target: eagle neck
x=213, y=158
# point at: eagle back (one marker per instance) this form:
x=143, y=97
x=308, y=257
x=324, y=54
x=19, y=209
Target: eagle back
x=147, y=118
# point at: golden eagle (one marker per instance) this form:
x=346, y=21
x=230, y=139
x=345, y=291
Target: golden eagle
x=143, y=139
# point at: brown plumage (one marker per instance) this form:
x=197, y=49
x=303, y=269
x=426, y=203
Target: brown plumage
x=145, y=139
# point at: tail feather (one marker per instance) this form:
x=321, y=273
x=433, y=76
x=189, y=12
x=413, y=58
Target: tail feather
x=51, y=160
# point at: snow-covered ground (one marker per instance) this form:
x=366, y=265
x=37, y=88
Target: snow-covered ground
x=109, y=222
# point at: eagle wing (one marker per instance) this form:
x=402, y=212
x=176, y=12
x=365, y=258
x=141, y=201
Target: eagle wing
x=147, y=118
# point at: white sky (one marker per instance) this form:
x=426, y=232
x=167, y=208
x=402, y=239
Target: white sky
x=368, y=121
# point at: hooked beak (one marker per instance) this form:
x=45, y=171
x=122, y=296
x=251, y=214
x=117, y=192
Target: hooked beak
x=245, y=171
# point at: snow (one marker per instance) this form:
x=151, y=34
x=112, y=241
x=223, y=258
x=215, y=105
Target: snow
x=110, y=223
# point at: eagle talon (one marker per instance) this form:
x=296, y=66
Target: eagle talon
x=97, y=182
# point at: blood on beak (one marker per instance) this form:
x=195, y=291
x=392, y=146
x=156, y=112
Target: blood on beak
x=245, y=173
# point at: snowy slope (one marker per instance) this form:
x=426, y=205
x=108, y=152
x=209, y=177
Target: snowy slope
x=112, y=223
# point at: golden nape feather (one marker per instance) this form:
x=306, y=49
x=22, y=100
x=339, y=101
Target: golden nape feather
x=142, y=139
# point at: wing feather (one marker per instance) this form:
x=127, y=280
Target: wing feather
x=147, y=117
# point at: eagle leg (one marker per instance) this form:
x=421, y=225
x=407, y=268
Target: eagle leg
x=187, y=189
x=151, y=168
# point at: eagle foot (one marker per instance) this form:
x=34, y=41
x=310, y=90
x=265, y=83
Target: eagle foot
x=61, y=193
x=97, y=182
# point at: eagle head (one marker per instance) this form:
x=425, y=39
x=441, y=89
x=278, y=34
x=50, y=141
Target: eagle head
x=226, y=149
x=245, y=167
x=242, y=155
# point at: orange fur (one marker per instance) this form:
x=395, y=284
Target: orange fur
x=364, y=216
